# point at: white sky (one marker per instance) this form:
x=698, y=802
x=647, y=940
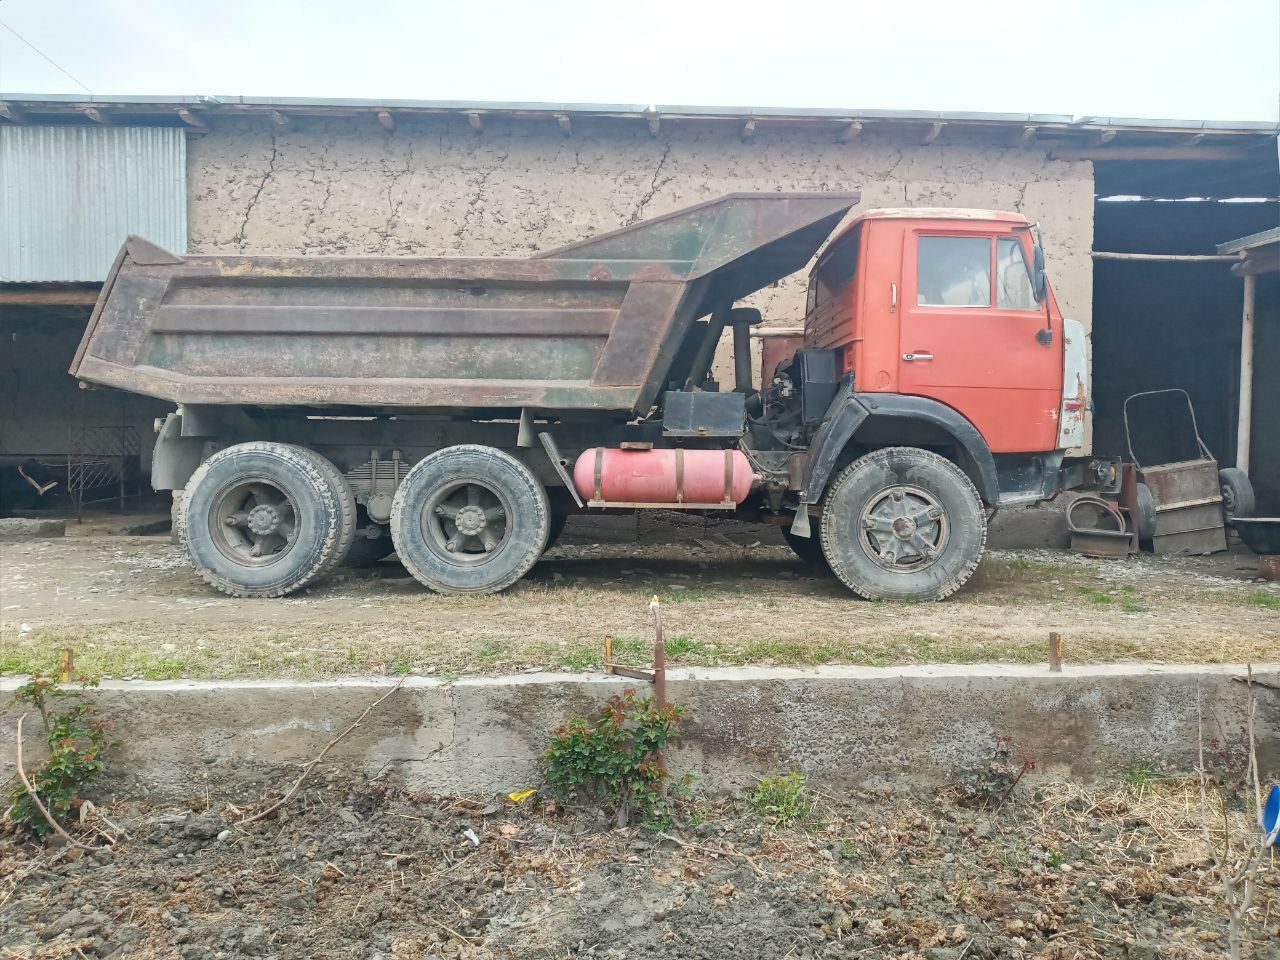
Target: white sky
x=1186, y=59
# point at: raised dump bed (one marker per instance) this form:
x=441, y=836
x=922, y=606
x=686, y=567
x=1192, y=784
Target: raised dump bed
x=595, y=325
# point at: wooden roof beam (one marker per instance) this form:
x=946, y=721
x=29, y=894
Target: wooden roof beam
x=193, y=119
x=931, y=134
x=849, y=131
x=1024, y=136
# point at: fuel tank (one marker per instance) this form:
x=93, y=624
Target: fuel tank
x=611, y=476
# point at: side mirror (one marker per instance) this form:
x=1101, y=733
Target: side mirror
x=1039, y=281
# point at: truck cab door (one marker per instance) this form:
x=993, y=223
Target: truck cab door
x=968, y=333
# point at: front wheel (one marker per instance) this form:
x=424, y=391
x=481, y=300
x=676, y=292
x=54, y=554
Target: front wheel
x=903, y=524
x=469, y=519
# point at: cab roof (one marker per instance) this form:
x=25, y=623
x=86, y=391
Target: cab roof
x=940, y=213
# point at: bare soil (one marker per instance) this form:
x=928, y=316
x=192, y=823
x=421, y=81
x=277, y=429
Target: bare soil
x=132, y=607
x=358, y=871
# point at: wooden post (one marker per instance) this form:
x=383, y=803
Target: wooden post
x=1245, y=426
x=1055, y=652
x=67, y=665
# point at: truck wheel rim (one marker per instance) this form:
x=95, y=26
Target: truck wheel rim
x=253, y=521
x=466, y=522
x=903, y=529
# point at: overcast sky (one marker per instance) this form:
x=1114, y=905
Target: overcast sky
x=1185, y=59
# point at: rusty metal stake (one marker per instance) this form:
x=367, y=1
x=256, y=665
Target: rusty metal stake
x=657, y=676
x=1055, y=652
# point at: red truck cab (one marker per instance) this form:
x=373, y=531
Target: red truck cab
x=941, y=303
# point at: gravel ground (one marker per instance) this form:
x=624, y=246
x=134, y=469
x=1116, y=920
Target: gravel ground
x=358, y=872
x=132, y=607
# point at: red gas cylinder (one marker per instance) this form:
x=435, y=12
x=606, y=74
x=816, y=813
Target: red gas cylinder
x=608, y=475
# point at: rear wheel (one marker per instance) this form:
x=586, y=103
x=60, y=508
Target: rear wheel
x=264, y=519
x=903, y=524
x=469, y=519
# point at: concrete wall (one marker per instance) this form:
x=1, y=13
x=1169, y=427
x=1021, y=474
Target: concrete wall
x=843, y=726
x=436, y=188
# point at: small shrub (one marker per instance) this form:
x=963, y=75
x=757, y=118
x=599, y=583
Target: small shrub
x=610, y=762
x=781, y=800
x=77, y=747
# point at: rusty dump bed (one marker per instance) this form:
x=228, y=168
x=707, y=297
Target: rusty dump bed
x=595, y=325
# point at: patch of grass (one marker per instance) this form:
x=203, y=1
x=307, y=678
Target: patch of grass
x=1054, y=859
x=683, y=645
x=781, y=800
x=848, y=850
x=1094, y=595
x=788, y=651
x=579, y=657
x=490, y=651
x=1263, y=598
x=1144, y=773
x=1129, y=605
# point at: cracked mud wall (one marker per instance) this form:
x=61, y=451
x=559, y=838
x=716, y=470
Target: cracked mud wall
x=434, y=187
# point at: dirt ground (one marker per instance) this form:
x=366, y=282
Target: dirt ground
x=132, y=607
x=356, y=872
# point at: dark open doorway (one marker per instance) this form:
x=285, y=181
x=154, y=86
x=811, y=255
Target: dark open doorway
x=1177, y=324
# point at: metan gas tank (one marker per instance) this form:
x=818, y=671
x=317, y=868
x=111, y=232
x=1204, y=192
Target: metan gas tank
x=609, y=476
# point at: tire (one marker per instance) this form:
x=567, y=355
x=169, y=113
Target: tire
x=1237, y=493
x=556, y=529
x=1146, y=512
x=272, y=489
x=903, y=484
x=506, y=526
x=808, y=549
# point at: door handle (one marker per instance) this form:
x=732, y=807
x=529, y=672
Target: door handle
x=917, y=356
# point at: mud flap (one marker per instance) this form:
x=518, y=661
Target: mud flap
x=800, y=525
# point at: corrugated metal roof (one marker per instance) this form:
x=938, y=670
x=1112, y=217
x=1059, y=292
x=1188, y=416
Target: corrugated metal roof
x=70, y=195
x=221, y=105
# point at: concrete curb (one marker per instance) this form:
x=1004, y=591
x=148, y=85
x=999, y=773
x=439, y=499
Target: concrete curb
x=843, y=726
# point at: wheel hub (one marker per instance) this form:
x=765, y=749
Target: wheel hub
x=471, y=520
x=904, y=528
x=264, y=519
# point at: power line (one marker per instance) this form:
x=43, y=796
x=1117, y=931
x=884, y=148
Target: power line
x=45, y=56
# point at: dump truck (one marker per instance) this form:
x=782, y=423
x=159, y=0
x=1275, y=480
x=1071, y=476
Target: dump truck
x=456, y=411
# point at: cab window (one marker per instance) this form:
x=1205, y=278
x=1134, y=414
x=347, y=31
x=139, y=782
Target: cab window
x=1013, y=278
x=954, y=272
x=838, y=266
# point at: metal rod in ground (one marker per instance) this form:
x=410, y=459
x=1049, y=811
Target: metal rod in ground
x=659, y=672
x=1055, y=652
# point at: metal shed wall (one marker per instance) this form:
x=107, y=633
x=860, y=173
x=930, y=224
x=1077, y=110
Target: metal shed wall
x=70, y=195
